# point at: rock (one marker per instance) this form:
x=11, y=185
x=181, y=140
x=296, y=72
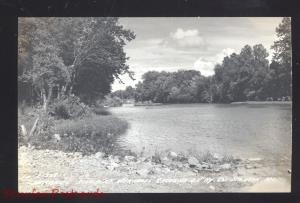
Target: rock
x=248, y=166
x=225, y=166
x=255, y=159
x=148, y=159
x=142, y=159
x=212, y=187
x=99, y=155
x=216, y=156
x=164, y=158
x=22, y=148
x=129, y=158
x=57, y=137
x=112, y=166
x=151, y=172
x=186, y=165
x=116, y=159
x=167, y=170
x=289, y=171
x=172, y=155
x=204, y=165
x=109, y=167
x=124, y=169
x=143, y=172
x=193, y=161
x=157, y=170
x=179, y=165
x=167, y=162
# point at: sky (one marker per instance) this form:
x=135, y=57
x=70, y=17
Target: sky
x=170, y=44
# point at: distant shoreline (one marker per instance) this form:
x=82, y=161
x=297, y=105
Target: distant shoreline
x=244, y=102
x=263, y=102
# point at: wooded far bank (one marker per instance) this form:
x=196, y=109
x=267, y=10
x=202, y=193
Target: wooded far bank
x=244, y=76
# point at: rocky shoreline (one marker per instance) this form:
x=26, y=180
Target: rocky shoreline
x=44, y=170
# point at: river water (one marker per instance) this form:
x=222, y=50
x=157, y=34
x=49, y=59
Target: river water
x=246, y=131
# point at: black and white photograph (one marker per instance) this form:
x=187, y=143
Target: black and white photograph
x=154, y=104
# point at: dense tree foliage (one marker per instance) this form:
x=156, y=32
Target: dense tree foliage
x=241, y=76
x=80, y=56
x=176, y=87
x=280, y=77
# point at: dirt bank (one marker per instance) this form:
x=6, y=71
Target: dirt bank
x=44, y=170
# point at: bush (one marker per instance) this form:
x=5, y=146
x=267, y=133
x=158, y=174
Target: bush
x=43, y=132
x=157, y=157
x=27, y=120
x=61, y=111
x=70, y=108
x=112, y=101
x=101, y=111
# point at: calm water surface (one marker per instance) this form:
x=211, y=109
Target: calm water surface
x=245, y=131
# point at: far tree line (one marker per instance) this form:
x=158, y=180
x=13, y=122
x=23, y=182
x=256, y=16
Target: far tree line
x=244, y=76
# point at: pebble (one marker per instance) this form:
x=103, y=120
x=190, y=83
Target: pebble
x=193, y=161
x=113, y=163
x=99, y=155
x=173, y=155
x=143, y=172
x=225, y=166
x=129, y=158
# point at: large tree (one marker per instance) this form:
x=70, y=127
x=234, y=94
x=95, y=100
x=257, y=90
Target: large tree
x=241, y=76
x=80, y=56
x=281, y=67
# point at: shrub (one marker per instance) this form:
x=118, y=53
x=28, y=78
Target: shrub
x=27, y=120
x=101, y=111
x=61, y=111
x=157, y=157
x=112, y=101
x=43, y=132
x=70, y=108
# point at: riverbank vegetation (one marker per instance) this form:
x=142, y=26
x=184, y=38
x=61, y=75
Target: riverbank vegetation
x=65, y=66
x=243, y=76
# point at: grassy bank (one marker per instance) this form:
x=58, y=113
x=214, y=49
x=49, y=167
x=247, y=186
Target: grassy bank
x=90, y=134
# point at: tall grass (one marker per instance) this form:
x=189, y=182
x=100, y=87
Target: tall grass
x=87, y=135
x=90, y=135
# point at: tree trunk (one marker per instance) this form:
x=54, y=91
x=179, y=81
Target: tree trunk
x=63, y=90
x=33, y=127
x=50, y=93
x=58, y=92
x=44, y=102
x=70, y=90
x=46, y=98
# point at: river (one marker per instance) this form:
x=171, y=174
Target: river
x=242, y=130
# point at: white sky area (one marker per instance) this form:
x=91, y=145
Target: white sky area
x=198, y=43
